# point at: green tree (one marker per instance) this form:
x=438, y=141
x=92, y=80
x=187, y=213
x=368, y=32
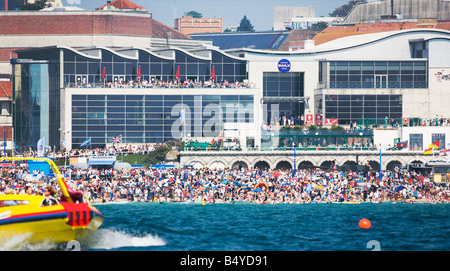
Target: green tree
x=342, y=11
x=194, y=14
x=319, y=26
x=37, y=5
x=245, y=25
x=159, y=154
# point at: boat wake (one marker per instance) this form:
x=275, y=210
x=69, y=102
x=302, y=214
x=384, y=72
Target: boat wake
x=112, y=239
x=102, y=239
x=20, y=242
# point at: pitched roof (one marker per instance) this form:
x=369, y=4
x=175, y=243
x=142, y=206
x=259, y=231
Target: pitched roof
x=339, y=31
x=297, y=38
x=123, y=4
x=160, y=30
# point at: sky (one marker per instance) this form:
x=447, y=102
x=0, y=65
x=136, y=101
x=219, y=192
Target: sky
x=259, y=12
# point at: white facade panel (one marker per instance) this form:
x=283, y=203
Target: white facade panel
x=439, y=53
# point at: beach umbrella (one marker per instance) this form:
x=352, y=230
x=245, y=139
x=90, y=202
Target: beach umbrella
x=178, y=74
x=104, y=73
x=213, y=73
x=139, y=73
x=261, y=185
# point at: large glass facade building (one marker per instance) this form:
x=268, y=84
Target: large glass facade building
x=376, y=74
x=10, y=4
x=155, y=118
x=201, y=92
x=37, y=98
x=369, y=109
x=86, y=69
x=144, y=96
x=364, y=109
x=281, y=94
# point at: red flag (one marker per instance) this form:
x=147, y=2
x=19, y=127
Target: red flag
x=437, y=144
x=104, y=73
x=178, y=74
x=213, y=73
x=139, y=73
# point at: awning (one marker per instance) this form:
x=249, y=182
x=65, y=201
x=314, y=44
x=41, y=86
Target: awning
x=100, y=162
x=284, y=99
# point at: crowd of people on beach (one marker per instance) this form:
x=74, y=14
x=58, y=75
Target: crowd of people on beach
x=260, y=186
x=155, y=83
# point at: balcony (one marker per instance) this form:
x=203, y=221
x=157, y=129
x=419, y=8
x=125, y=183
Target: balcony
x=162, y=84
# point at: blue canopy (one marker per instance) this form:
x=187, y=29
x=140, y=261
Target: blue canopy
x=399, y=188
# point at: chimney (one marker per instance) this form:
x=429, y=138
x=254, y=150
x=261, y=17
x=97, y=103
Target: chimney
x=309, y=44
x=108, y=4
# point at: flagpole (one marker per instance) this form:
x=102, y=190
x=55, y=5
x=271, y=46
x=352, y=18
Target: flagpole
x=380, y=176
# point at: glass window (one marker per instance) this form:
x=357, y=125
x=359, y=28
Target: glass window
x=407, y=67
x=131, y=68
x=368, y=67
x=69, y=67
x=342, y=67
x=439, y=137
x=115, y=103
x=420, y=67
x=81, y=67
x=96, y=103
x=228, y=69
x=111, y=109
x=118, y=68
x=116, y=98
x=116, y=121
x=355, y=67
x=394, y=67
x=245, y=98
x=416, y=142
x=381, y=67
x=78, y=103
x=155, y=68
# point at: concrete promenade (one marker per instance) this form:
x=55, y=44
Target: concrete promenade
x=322, y=158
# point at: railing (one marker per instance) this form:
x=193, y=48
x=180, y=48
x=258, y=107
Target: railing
x=321, y=133
x=323, y=148
x=161, y=84
x=372, y=84
x=205, y=146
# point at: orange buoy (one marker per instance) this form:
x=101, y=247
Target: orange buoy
x=364, y=223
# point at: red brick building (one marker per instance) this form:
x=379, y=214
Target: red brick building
x=189, y=25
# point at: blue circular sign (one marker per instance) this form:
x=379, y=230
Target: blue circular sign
x=284, y=65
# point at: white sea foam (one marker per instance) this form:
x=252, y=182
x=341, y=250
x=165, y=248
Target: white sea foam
x=101, y=239
x=20, y=242
x=111, y=239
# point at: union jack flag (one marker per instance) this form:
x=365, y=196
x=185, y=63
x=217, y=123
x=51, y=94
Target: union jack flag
x=117, y=139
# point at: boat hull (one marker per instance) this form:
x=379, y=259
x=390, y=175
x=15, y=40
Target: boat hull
x=59, y=223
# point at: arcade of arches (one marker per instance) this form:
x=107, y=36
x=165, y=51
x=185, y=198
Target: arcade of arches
x=369, y=161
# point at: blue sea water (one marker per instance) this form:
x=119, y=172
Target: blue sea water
x=149, y=226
